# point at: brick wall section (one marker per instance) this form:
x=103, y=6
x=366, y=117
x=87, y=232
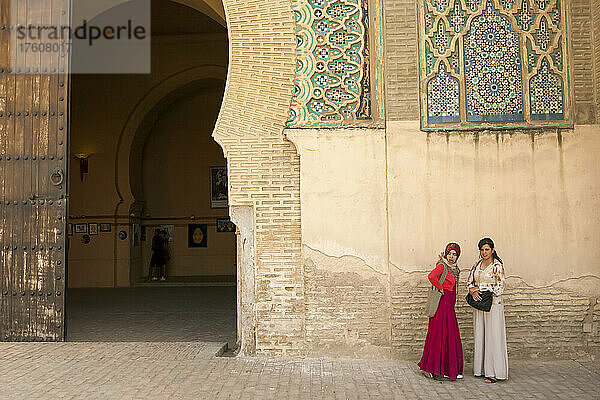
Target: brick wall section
x=581, y=33
x=401, y=62
x=596, y=42
x=264, y=168
x=540, y=323
x=346, y=313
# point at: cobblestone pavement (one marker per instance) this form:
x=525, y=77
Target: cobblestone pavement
x=149, y=343
x=152, y=314
x=190, y=371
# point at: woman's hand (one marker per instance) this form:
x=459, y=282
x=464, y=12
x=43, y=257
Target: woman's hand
x=442, y=255
x=475, y=293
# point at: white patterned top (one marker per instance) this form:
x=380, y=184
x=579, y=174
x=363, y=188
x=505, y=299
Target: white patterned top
x=490, y=278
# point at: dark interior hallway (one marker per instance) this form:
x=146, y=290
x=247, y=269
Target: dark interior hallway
x=152, y=314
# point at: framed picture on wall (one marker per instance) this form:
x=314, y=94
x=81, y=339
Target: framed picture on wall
x=225, y=225
x=93, y=228
x=197, y=235
x=218, y=187
x=80, y=228
x=105, y=227
x=70, y=229
x=170, y=232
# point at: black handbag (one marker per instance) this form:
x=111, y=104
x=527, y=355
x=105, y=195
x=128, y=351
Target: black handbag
x=485, y=304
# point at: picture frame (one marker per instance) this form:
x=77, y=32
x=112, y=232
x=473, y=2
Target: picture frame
x=81, y=228
x=218, y=187
x=225, y=225
x=170, y=232
x=70, y=229
x=197, y=235
x=93, y=228
x=105, y=227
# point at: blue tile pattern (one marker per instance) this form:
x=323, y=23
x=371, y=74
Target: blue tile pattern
x=493, y=76
x=443, y=97
x=487, y=63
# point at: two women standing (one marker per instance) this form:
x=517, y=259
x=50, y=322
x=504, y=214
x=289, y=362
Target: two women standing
x=442, y=355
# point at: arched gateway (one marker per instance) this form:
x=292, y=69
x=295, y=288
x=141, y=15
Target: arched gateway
x=263, y=169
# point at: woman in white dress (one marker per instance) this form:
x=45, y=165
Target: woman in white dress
x=489, y=330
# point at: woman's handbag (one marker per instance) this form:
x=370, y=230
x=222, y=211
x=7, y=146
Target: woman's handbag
x=485, y=304
x=434, y=296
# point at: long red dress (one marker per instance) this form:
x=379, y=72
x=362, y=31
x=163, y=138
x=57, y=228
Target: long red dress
x=443, y=354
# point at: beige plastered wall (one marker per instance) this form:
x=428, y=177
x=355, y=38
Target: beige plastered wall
x=378, y=206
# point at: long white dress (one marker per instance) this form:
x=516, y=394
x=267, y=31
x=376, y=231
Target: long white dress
x=489, y=328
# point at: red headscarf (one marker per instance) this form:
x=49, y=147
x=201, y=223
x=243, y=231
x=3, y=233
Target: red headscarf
x=452, y=246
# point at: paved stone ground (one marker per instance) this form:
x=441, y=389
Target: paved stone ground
x=190, y=371
x=152, y=314
x=151, y=357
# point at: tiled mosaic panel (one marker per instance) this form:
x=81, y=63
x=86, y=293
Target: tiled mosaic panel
x=499, y=62
x=333, y=84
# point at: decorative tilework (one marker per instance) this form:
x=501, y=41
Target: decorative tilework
x=333, y=76
x=440, y=5
x=541, y=4
x=532, y=56
x=494, y=63
x=524, y=15
x=508, y=4
x=443, y=97
x=557, y=56
x=457, y=17
x=493, y=69
x=546, y=90
x=543, y=34
x=441, y=40
x=473, y=4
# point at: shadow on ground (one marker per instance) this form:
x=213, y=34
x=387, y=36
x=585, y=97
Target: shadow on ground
x=152, y=314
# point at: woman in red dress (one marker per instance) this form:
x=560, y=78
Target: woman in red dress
x=443, y=354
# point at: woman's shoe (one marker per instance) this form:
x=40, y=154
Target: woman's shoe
x=490, y=380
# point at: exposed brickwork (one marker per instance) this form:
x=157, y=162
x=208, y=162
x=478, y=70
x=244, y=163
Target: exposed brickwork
x=541, y=323
x=402, y=77
x=582, y=60
x=346, y=313
x=264, y=169
x=596, y=43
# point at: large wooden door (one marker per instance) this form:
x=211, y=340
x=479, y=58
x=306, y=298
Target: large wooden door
x=33, y=173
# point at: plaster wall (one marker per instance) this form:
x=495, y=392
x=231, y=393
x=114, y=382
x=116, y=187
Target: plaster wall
x=378, y=206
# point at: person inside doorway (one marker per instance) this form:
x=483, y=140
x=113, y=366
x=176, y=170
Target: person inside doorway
x=157, y=255
x=165, y=255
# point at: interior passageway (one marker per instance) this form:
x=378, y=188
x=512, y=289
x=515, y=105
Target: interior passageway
x=152, y=314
